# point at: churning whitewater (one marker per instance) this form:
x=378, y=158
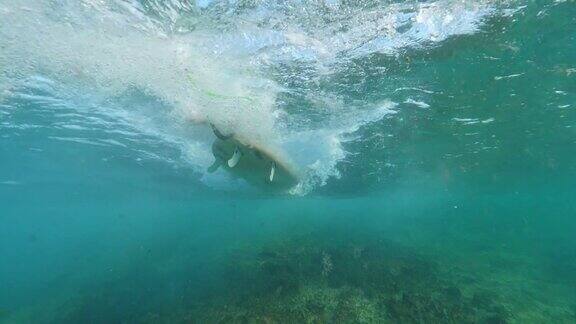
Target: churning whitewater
x=153, y=69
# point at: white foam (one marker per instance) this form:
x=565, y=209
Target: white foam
x=319, y=151
x=511, y=76
x=330, y=33
x=217, y=72
x=417, y=103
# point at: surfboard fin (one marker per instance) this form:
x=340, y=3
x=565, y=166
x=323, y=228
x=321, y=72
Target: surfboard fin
x=272, y=171
x=235, y=158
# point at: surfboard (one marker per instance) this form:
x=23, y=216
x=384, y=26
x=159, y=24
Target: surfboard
x=252, y=162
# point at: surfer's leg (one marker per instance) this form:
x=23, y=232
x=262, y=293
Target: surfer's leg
x=235, y=158
x=217, y=163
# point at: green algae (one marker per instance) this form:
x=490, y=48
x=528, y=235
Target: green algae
x=326, y=278
x=333, y=275
x=311, y=281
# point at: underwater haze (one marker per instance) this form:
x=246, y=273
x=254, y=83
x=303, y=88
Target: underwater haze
x=434, y=143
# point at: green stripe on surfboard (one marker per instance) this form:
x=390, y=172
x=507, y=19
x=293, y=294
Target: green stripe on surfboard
x=215, y=95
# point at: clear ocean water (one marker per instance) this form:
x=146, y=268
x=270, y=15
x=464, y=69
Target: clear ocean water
x=435, y=143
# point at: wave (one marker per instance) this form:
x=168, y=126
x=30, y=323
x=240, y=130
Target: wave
x=254, y=68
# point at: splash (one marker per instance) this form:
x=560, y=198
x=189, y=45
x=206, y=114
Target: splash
x=223, y=63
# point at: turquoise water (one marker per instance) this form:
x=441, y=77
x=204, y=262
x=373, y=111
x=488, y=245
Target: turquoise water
x=435, y=143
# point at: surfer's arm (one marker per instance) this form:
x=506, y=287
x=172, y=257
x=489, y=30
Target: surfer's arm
x=219, y=134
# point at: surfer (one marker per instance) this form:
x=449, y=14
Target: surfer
x=249, y=158
x=233, y=161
